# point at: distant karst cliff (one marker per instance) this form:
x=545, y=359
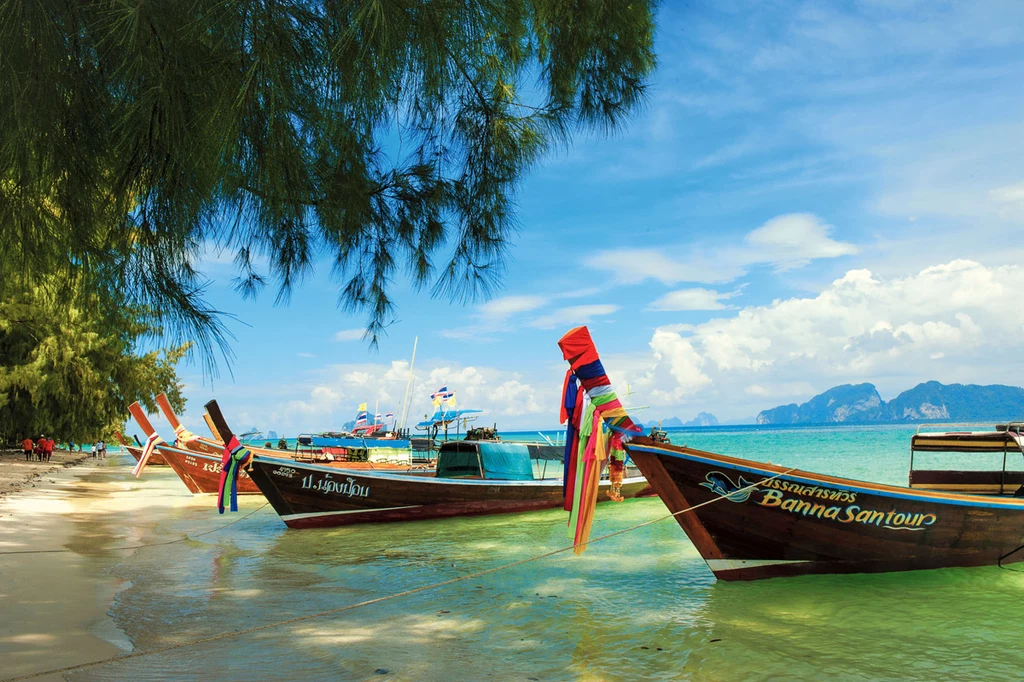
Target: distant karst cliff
x=928, y=401
x=702, y=419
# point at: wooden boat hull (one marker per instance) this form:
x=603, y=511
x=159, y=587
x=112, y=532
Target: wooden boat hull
x=200, y=472
x=199, y=468
x=801, y=523
x=155, y=459
x=315, y=496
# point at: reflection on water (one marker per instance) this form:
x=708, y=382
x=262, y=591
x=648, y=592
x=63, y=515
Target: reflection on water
x=638, y=606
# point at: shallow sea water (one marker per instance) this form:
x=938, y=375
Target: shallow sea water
x=637, y=606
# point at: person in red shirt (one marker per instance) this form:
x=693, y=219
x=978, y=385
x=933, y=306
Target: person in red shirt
x=48, y=448
x=27, y=446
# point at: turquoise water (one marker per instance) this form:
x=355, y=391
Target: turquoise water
x=638, y=606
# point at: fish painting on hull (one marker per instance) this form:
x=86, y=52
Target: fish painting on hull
x=720, y=484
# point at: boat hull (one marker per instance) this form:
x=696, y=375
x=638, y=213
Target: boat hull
x=801, y=523
x=200, y=472
x=313, y=496
x=155, y=459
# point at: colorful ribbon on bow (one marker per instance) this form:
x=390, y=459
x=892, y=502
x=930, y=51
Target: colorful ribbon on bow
x=183, y=436
x=236, y=457
x=587, y=444
x=147, y=452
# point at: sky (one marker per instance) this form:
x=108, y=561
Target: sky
x=814, y=194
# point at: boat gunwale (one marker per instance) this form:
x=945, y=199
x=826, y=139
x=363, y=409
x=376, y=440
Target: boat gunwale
x=882, y=489
x=390, y=475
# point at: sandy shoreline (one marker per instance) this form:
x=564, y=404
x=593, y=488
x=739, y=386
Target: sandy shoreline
x=18, y=474
x=55, y=604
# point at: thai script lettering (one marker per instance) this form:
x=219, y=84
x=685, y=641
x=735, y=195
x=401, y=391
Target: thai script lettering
x=830, y=494
x=892, y=519
x=327, y=485
x=287, y=472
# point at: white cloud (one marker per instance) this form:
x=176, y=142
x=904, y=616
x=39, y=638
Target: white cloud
x=511, y=305
x=574, y=315
x=786, y=241
x=956, y=322
x=691, y=299
x=349, y=335
x=795, y=239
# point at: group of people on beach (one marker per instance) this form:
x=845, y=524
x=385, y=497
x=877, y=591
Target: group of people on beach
x=41, y=449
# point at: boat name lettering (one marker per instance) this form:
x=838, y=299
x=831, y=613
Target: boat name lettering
x=810, y=490
x=327, y=485
x=852, y=513
x=287, y=472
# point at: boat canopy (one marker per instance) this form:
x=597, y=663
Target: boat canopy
x=1004, y=438
x=489, y=460
x=442, y=417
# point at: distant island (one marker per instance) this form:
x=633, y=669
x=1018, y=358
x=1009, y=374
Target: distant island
x=930, y=401
x=702, y=419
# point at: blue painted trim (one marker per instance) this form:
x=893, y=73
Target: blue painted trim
x=898, y=494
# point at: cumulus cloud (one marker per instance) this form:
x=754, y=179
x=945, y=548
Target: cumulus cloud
x=959, y=321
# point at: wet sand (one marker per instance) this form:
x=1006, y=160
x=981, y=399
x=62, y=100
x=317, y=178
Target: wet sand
x=17, y=474
x=55, y=604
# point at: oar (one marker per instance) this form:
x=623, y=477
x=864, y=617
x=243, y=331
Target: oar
x=151, y=437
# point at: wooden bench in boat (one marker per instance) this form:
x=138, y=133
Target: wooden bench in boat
x=1004, y=439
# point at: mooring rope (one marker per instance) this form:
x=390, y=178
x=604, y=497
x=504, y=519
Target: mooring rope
x=190, y=536
x=387, y=597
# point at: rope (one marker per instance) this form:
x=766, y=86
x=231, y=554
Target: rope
x=377, y=600
x=151, y=544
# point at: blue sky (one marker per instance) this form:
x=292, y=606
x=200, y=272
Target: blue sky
x=815, y=194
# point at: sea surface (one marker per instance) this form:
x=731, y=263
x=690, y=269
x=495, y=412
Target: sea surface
x=641, y=605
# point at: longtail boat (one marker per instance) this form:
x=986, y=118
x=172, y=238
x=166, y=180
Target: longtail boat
x=752, y=520
x=198, y=461
x=156, y=459
x=800, y=522
x=472, y=478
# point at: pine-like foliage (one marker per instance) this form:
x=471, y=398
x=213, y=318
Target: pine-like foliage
x=70, y=364
x=381, y=134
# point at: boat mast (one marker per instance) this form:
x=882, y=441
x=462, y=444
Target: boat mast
x=408, y=384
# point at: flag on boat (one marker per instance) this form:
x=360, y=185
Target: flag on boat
x=377, y=417
x=361, y=414
x=389, y=415
x=587, y=443
x=442, y=394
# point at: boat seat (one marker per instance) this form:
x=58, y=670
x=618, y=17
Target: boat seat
x=978, y=482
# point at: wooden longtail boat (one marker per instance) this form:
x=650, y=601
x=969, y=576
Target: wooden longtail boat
x=802, y=522
x=473, y=478
x=313, y=496
x=197, y=460
x=1004, y=439
x=156, y=459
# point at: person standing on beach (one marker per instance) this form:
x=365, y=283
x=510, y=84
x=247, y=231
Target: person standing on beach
x=101, y=449
x=47, y=448
x=93, y=450
x=27, y=445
